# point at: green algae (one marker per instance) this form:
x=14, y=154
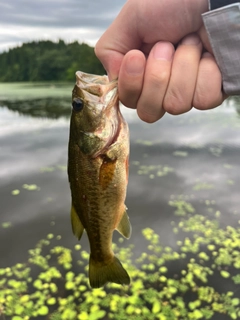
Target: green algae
x=48, y=284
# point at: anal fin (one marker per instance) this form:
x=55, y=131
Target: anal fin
x=77, y=226
x=124, y=226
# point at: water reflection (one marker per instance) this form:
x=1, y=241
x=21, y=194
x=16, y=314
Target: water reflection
x=194, y=156
x=60, y=106
x=52, y=108
x=196, y=146
x=234, y=102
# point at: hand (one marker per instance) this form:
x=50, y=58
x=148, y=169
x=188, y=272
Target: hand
x=153, y=76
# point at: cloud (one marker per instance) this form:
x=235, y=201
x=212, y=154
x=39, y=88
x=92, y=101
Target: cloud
x=25, y=20
x=15, y=36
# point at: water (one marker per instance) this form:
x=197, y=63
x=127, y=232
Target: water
x=193, y=157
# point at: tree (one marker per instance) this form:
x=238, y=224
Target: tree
x=47, y=60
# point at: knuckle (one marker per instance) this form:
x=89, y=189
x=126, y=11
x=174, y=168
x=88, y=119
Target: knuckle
x=200, y=102
x=129, y=93
x=175, y=104
x=204, y=101
x=149, y=115
x=157, y=79
x=206, y=104
x=129, y=102
x=208, y=93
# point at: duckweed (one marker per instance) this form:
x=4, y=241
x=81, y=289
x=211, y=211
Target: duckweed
x=6, y=224
x=173, y=282
x=15, y=192
x=180, y=153
x=31, y=187
x=154, y=170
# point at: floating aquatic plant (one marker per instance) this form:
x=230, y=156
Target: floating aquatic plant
x=6, y=224
x=180, y=153
x=15, y=192
x=167, y=282
x=31, y=187
x=152, y=170
x=203, y=186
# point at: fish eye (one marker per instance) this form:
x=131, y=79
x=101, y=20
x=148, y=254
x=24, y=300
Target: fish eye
x=77, y=105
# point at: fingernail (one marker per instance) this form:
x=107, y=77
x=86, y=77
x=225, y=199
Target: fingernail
x=192, y=39
x=135, y=65
x=163, y=51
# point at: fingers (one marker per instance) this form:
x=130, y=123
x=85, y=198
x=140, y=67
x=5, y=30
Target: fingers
x=130, y=80
x=142, y=84
x=208, y=93
x=170, y=81
x=181, y=88
x=156, y=78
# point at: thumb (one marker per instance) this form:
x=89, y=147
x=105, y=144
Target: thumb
x=118, y=39
x=111, y=61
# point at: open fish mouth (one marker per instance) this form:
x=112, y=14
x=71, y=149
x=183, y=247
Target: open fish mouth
x=113, y=115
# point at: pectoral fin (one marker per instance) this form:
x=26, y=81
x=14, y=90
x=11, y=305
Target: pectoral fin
x=77, y=226
x=124, y=226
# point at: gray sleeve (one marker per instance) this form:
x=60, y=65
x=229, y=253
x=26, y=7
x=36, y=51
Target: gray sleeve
x=223, y=29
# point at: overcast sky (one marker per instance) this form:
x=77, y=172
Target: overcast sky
x=28, y=20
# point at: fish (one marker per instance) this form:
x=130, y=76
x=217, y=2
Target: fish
x=98, y=154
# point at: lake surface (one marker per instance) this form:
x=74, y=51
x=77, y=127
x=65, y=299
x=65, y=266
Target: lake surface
x=193, y=158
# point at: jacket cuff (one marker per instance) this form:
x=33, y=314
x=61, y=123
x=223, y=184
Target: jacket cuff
x=222, y=26
x=215, y=4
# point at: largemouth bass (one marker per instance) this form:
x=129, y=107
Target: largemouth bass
x=98, y=173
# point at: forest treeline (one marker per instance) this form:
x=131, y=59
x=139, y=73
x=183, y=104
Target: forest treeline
x=47, y=60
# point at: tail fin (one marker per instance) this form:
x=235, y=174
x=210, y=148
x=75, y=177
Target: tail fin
x=99, y=275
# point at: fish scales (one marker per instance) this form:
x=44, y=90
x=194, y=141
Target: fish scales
x=98, y=174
